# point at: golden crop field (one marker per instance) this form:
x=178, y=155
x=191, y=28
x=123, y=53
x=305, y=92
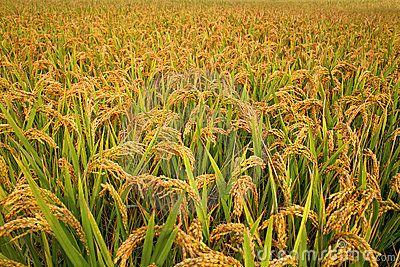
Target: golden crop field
x=199, y=133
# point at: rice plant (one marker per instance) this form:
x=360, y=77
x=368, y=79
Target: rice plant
x=229, y=133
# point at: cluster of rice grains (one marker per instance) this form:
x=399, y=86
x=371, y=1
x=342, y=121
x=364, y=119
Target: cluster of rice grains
x=199, y=134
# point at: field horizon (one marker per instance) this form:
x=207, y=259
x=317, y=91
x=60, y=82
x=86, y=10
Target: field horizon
x=199, y=133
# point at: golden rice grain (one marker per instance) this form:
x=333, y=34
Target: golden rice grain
x=66, y=121
x=339, y=254
x=132, y=242
x=351, y=205
x=208, y=260
x=31, y=225
x=4, y=179
x=361, y=245
x=195, y=230
x=120, y=204
x=204, y=180
x=225, y=229
x=396, y=183
x=284, y=261
x=22, y=205
x=299, y=211
x=239, y=190
x=63, y=214
x=281, y=230
x=246, y=164
x=129, y=148
x=165, y=186
x=388, y=205
x=198, y=249
x=10, y=263
x=6, y=128
x=40, y=136
x=166, y=149
x=110, y=166
x=64, y=164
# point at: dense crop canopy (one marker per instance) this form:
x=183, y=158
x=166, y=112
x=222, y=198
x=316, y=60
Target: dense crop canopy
x=199, y=133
